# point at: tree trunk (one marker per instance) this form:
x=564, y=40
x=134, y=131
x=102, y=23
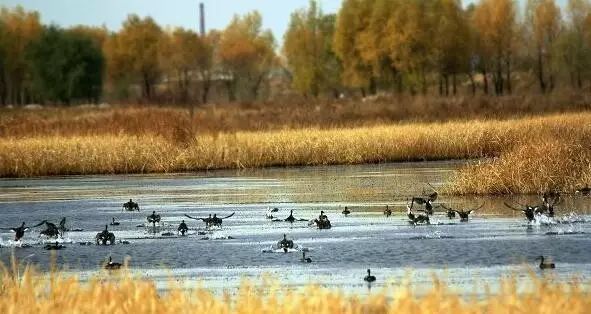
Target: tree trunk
x=485, y=81
x=454, y=83
x=472, y=83
x=541, y=71
x=508, y=79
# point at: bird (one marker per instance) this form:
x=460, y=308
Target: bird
x=369, y=277
x=585, y=191
x=290, y=218
x=306, y=259
x=545, y=265
x=114, y=223
x=387, y=211
x=112, y=265
x=346, y=211
x=19, y=232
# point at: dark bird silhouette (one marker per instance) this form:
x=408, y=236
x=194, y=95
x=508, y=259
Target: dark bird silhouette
x=290, y=218
x=131, y=206
x=19, y=232
x=528, y=211
x=369, y=277
x=110, y=265
x=545, y=265
x=114, y=223
x=416, y=219
x=585, y=191
x=285, y=243
x=306, y=259
x=549, y=200
x=346, y=212
x=182, y=228
x=211, y=221
x=387, y=211
x=464, y=214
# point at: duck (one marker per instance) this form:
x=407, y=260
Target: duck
x=346, y=211
x=545, y=265
x=19, y=232
x=585, y=191
x=270, y=212
x=369, y=277
x=182, y=228
x=114, y=223
x=112, y=265
x=285, y=243
x=306, y=259
x=387, y=211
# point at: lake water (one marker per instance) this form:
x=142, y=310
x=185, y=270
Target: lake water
x=495, y=243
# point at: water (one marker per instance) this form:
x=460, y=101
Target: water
x=495, y=243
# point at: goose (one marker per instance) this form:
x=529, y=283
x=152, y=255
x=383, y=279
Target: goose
x=270, y=212
x=549, y=200
x=545, y=266
x=112, y=265
x=346, y=212
x=369, y=277
x=285, y=243
x=306, y=259
x=585, y=191
x=211, y=221
x=114, y=223
x=464, y=214
x=290, y=218
x=19, y=232
x=183, y=227
x=528, y=211
x=414, y=219
x=387, y=211
x=131, y=206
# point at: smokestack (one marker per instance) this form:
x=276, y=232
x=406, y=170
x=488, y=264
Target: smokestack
x=201, y=19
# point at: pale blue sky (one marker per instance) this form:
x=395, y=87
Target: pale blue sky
x=169, y=13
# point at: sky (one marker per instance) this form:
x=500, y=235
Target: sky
x=183, y=13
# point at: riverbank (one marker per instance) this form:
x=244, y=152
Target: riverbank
x=120, y=292
x=529, y=154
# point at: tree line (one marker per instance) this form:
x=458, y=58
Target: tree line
x=394, y=46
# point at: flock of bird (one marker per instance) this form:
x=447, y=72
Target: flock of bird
x=415, y=216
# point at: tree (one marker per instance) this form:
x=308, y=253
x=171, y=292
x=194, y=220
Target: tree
x=352, y=19
x=132, y=53
x=66, y=66
x=544, y=24
x=246, y=52
x=575, y=43
x=178, y=56
x=20, y=29
x=308, y=49
x=495, y=23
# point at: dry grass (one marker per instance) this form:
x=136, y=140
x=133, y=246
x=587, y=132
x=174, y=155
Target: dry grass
x=114, y=154
x=30, y=293
x=169, y=122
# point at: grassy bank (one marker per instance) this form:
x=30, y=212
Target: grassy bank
x=30, y=294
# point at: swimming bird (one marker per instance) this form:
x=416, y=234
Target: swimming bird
x=270, y=212
x=114, y=223
x=105, y=236
x=585, y=191
x=387, y=211
x=305, y=259
x=346, y=212
x=545, y=265
x=322, y=222
x=285, y=243
x=369, y=277
x=19, y=232
x=131, y=206
x=110, y=265
x=464, y=214
x=183, y=228
x=290, y=218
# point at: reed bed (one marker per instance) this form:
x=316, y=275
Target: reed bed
x=30, y=293
x=118, y=154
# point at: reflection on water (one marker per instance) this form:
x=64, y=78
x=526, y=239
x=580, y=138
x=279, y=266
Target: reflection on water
x=494, y=243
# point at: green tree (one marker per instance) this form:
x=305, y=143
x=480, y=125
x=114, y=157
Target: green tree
x=66, y=66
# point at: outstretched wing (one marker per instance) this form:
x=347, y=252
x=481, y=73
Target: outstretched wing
x=63, y=222
x=419, y=200
x=477, y=208
x=39, y=224
x=513, y=208
x=195, y=218
x=445, y=207
x=232, y=214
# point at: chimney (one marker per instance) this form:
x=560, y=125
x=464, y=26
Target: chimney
x=201, y=19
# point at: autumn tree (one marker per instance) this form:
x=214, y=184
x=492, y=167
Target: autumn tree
x=308, y=49
x=544, y=24
x=19, y=30
x=575, y=43
x=352, y=19
x=495, y=24
x=246, y=53
x=178, y=57
x=133, y=54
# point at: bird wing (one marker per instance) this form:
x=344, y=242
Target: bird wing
x=232, y=214
x=475, y=209
x=63, y=222
x=39, y=224
x=196, y=218
x=445, y=207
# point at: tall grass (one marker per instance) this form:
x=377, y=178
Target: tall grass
x=114, y=154
x=30, y=293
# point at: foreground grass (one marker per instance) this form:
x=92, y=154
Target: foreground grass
x=29, y=293
x=524, y=165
